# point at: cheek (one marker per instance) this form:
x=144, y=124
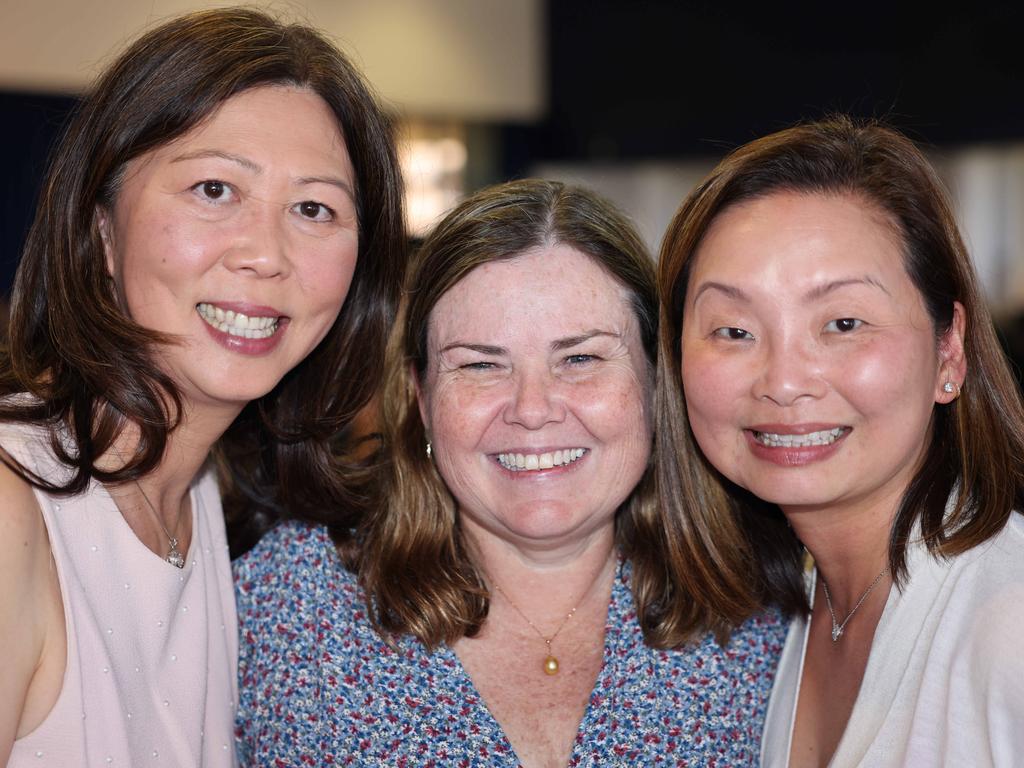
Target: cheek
x=710, y=385
x=713, y=387
x=459, y=413
x=883, y=376
x=325, y=274
x=163, y=255
x=617, y=411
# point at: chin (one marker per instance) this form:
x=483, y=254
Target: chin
x=795, y=497
x=238, y=398
x=551, y=522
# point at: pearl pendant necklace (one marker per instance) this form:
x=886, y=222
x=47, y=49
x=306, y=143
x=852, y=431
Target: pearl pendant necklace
x=550, y=661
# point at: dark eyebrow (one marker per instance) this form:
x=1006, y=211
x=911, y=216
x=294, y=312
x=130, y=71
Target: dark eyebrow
x=334, y=181
x=483, y=349
x=245, y=162
x=729, y=290
x=820, y=291
x=572, y=341
x=817, y=292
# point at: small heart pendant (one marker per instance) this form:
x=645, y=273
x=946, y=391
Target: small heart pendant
x=174, y=557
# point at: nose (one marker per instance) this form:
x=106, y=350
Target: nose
x=789, y=371
x=535, y=400
x=260, y=243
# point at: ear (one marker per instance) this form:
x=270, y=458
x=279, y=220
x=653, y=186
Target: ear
x=952, y=361
x=105, y=225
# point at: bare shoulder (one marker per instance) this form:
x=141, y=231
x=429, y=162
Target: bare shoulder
x=26, y=602
x=22, y=530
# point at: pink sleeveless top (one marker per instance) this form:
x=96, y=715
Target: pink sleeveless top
x=152, y=650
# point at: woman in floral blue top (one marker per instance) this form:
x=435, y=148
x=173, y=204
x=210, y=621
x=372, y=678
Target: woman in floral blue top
x=512, y=598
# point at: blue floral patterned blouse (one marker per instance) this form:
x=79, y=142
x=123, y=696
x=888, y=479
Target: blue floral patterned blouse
x=319, y=687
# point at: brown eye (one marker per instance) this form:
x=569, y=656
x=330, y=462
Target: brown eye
x=213, y=189
x=310, y=209
x=732, y=334
x=844, y=324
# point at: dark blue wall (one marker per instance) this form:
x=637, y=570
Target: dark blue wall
x=658, y=79
x=29, y=126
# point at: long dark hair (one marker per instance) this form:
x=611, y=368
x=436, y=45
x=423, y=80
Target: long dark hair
x=91, y=370
x=742, y=554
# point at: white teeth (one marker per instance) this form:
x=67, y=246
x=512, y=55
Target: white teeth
x=519, y=462
x=237, y=324
x=823, y=437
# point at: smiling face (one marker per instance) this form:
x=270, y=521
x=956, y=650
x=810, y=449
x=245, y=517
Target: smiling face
x=809, y=362
x=240, y=239
x=536, y=397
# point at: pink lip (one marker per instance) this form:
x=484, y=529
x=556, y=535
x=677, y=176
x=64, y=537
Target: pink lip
x=794, y=456
x=240, y=344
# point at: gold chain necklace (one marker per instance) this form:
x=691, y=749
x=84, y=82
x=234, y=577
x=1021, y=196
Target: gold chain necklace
x=551, y=662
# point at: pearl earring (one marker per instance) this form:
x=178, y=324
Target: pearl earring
x=429, y=450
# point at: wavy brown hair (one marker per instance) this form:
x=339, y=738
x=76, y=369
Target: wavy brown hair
x=740, y=553
x=414, y=565
x=91, y=369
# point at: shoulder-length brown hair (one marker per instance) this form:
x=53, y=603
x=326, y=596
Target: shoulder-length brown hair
x=742, y=554
x=91, y=369
x=413, y=564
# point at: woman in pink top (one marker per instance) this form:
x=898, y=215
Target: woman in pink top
x=222, y=189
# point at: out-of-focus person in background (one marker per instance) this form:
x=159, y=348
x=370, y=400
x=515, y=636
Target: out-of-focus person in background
x=830, y=382
x=222, y=188
x=512, y=598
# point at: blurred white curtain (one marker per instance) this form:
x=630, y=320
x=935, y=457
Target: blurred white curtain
x=987, y=184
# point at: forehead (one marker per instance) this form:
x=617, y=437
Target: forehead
x=547, y=289
x=797, y=239
x=271, y=118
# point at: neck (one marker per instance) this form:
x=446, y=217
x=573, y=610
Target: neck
x=544, y=583
x=850, y=547
x=186, y=450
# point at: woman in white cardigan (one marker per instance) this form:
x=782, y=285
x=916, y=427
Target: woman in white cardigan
x=833, y=392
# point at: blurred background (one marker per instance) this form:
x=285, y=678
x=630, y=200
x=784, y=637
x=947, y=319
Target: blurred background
x=635, y=98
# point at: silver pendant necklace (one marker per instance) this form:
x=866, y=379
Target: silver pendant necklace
x=173, y=556
x=837, y=628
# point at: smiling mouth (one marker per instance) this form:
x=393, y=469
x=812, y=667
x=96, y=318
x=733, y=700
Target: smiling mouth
x=532, y=462
x=821, y=437
x=237, y=324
